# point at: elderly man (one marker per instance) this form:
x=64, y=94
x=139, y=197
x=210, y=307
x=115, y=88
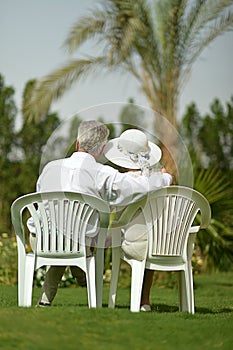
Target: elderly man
x=82, y=173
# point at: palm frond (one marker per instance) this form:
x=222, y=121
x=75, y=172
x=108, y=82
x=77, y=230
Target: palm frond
x=53, y=86
x=211, y=20
x=216, y=243
x=212, y=184
x=210, y=11
x=124, y=28
x=147, y=45
x=87, y=27
x=170, y=28
x=133, y=29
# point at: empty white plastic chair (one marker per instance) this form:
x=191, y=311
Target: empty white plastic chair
x=169, y=215
x=61, y=220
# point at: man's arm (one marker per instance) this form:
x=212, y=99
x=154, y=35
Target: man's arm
x=126, y=189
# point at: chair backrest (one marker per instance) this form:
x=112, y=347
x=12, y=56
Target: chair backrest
x=169, y=214
x=61, y=220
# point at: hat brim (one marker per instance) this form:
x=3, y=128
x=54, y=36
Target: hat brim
x=115, y=156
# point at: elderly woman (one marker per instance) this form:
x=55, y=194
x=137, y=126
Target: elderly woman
x=133, y=153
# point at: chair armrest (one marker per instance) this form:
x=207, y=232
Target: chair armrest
x=191, y=240
x=194, y=229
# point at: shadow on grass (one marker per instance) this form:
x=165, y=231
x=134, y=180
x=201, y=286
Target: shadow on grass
x=155, y=307
x=202, y=310
x=163, y=308
x=224, y=284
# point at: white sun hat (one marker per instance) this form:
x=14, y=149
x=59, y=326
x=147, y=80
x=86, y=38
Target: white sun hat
x=132, y=150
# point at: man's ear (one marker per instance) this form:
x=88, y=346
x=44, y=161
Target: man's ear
x=77, y=145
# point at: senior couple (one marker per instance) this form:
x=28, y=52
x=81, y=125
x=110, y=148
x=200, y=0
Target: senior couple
x=82, y=173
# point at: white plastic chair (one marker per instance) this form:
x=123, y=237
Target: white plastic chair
x=169, y=214
x=61, y=220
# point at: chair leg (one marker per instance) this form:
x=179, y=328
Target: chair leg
x=91, y=285
x=183, y=298
x=116, y=258
x=99, y=275
x=28, y=280
x=138, y=268
x=100, y=266
x=21, y=280
x=191, y=291
x=186, y=295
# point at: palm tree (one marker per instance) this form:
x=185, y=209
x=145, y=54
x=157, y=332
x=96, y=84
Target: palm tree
x=156, y=41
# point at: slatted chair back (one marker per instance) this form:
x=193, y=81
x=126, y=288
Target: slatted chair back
x=62, y=220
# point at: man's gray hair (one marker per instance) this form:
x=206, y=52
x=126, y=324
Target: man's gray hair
x=92, y=135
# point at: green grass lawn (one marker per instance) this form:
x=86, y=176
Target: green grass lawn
x=69, y=324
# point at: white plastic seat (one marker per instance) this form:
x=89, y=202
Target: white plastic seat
x=61, y=221
x=169, y=215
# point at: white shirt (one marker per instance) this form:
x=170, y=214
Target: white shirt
x=82, y=173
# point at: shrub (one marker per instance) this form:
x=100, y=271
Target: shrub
x=8, y=259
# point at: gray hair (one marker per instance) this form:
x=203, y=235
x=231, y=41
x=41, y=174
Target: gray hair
x=92, y=135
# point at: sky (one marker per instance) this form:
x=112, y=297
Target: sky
x=31, y=36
